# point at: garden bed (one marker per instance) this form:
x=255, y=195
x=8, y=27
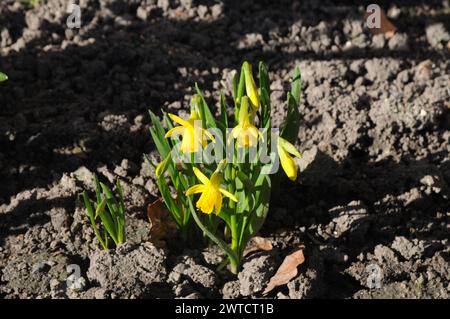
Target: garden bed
x=372, y=197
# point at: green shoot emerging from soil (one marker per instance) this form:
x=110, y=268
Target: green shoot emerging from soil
x=110, y=208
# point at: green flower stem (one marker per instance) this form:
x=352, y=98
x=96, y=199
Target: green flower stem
x=186, y=217
x=234, y=234
x=242, y=233
x=184, y=230
x=233, y=221
x=232, y=184
x=234, y=266
x=231, y=254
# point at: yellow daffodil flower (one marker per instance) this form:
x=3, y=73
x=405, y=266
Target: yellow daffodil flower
x=245, y=132
x=193, y=137
x=211, y=192
x=250, y=86
x=285, y=149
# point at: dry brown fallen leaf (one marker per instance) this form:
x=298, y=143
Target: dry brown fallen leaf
x=161, y=224
x=386, y=26
x=287, y=270
x=257, y=243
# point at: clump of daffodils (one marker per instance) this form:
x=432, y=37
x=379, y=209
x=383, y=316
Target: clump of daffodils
x=218, y=173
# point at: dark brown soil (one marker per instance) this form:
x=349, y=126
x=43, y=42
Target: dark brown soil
x=371, y=204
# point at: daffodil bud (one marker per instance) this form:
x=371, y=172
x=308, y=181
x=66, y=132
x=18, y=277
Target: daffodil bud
x=250, y=86
x=162, y=166
x=285, y=150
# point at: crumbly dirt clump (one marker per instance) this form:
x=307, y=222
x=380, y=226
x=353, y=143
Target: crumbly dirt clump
x=371, y=204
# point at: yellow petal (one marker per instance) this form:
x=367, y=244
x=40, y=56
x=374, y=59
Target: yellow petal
x=289, y=147
x=251, y=136
x=235, y=132
x=200, y=201
x=199, y=188
x=201, y=204
x=288, y=163
x=188, y=142
x=201, y=177
x=176, y=130
x=197, y=140
x=218, y=204
x=206, y=201
x=253, y=131
x=214, y=197
x=228, y=194
x=179, y=120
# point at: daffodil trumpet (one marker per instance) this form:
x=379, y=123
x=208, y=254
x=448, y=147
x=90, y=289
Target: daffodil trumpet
x=245, y=132
x=228, y=200
x=193, y=134
x=211, y=192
